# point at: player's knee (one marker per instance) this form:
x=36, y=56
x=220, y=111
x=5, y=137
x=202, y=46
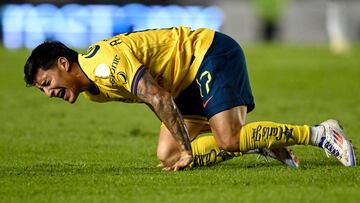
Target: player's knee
x=229, y=145
x=162, y=153
x=229, y=142
x=166, y=155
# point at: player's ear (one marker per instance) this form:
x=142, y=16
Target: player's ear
x=64, y=64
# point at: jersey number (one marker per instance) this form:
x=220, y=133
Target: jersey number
x=208, y=80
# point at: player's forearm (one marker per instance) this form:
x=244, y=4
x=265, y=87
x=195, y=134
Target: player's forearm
x=164, y=106
x=170, y=115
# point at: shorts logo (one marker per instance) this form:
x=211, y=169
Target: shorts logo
x=208, y=80
x=207, y=101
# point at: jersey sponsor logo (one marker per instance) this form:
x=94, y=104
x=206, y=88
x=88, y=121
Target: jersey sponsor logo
x=120, y=76
x=102, y=71
x=92, y=51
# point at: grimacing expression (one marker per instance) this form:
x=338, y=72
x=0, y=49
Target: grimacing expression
x=58, y=81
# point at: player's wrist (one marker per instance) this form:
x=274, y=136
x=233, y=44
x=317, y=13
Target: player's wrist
x=186, y=146
x=186, y=153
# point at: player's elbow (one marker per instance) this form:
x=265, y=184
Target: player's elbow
x=161, y=98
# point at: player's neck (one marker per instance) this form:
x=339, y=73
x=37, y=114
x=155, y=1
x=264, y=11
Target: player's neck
x=83, y=81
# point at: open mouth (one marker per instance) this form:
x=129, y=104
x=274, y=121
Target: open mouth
x=62, y=93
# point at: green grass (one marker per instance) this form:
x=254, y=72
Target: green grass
x=51, y=151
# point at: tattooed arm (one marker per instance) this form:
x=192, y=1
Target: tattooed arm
x=164, y=106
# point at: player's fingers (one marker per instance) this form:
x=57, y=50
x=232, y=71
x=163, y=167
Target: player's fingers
x=167, y=169
x=179, y=166
x=175, y=167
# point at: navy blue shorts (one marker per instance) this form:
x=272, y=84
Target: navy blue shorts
x=221, y=82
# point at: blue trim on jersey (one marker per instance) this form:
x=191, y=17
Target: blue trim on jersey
x=139, y=73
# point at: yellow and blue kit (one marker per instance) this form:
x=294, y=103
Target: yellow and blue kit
x=204, y=70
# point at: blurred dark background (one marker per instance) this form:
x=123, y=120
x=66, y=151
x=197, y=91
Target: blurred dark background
x=118, y=2
x=79, y=23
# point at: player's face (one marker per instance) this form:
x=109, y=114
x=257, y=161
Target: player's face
x=58, y=81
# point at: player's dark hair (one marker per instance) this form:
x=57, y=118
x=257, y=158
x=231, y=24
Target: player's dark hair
x=44, y=56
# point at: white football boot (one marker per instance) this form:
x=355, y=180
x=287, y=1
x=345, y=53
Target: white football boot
x=336, y=143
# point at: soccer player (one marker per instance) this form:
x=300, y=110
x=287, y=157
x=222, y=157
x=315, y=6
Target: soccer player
x=194, y=80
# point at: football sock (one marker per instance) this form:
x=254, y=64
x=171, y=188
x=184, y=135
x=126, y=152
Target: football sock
x=206, y=151
x=254, y=136
x=272, y=135
x=317, y=133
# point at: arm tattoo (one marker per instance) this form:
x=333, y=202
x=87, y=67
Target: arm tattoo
x=164, y=106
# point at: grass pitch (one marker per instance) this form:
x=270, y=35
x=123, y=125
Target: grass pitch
x=51, y=151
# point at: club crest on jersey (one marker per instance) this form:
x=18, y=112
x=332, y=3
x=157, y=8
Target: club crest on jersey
x=102, y=71
x=92, y=51
x=121, y=76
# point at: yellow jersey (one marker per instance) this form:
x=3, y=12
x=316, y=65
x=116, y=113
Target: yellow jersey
x=172, y=56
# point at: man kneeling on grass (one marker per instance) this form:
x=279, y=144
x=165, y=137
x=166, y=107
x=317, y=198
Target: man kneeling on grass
x=195, y=81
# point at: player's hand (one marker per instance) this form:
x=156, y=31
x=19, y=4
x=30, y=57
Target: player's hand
x=185, y=159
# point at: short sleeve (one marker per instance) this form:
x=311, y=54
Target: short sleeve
x=128, y=69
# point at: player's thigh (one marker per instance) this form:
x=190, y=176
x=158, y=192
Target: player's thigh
x=222, y=78
x=226, y=127
x=168, y=147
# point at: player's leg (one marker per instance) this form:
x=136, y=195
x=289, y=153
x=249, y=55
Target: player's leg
x=168, y=147
x=233, y=137
x=226, y=127
x=205, y=148
x=206, y=151
x=224, y=87
x=264, y=134
x=222, y=83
